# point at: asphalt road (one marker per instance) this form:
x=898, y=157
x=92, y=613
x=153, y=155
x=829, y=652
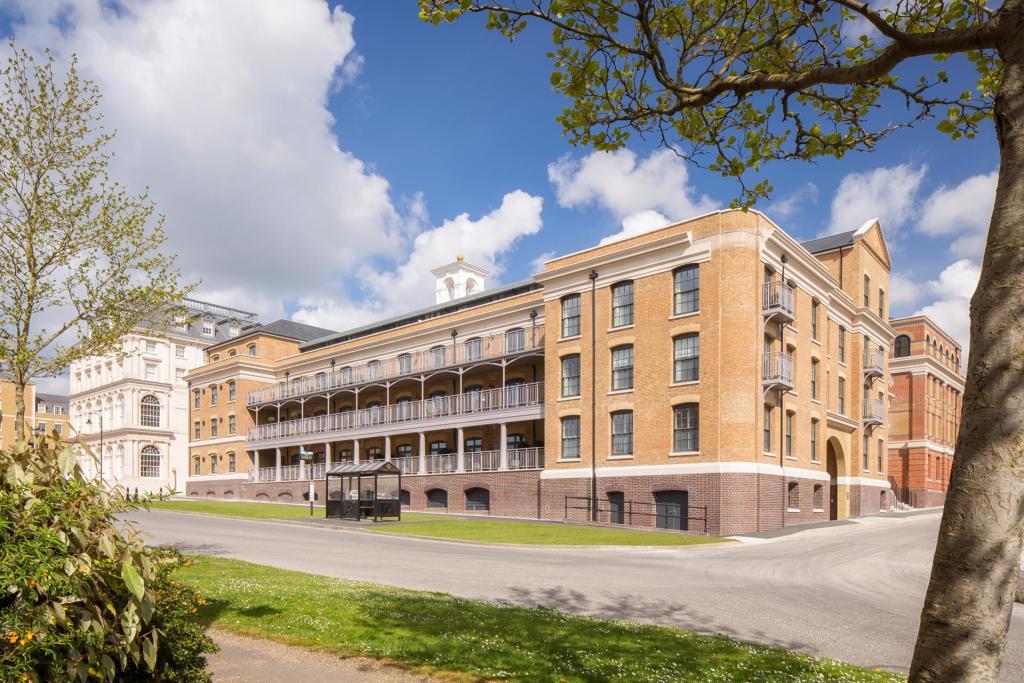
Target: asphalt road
x=851, y=592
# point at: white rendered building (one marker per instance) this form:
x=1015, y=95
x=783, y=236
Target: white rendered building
x=140, y=397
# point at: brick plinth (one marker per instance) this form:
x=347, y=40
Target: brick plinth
x=512, y=494
x=226, y=489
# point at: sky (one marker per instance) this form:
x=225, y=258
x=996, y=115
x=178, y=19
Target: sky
x=315, y=160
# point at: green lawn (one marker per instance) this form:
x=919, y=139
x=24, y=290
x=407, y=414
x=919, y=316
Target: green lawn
x=254, y=510
x=481, y=640
x=503, y=531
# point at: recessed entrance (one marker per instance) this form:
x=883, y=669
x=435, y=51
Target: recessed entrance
x=834, y=464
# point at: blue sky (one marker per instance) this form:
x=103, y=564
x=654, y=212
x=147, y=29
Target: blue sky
x=315, y=161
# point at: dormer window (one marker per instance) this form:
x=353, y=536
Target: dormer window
x=233, y=331
x=208, y=328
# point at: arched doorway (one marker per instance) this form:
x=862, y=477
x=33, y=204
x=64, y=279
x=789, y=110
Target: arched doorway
x=835, y=465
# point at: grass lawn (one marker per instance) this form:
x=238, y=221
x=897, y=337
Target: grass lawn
x=480, y=640
x=254, y=510
x=502, y=531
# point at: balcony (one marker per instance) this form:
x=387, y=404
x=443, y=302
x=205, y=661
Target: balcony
x=871, y=413
x=429, y=360
x=447, y=463
x=777, y=371
x=522, y=402
x=874, y=363
x=777, y=302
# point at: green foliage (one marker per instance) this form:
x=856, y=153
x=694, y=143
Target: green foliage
x=72, y=241
x=83, y=597
x=734, y=85
x=484, y=640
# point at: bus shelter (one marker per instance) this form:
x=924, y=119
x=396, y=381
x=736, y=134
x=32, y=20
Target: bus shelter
x=364, y=490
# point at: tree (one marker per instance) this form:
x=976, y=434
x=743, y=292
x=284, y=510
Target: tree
x=732, y=85
x=79, y=258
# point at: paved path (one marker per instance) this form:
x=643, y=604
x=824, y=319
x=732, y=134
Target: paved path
x=851, y=592
x=261, y=661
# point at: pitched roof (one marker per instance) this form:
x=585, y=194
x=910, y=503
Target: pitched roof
x=830, y=242
x=293, y=330
x=52, y=399
x=366, y=467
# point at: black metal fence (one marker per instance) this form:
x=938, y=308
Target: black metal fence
x=689, y=518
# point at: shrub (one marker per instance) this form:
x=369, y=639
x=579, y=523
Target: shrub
x=83, y=598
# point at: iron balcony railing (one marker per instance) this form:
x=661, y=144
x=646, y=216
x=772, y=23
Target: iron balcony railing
x=872, y=410
x=489, y=400
x=442, y=464
x=407, y=465
x=442, y=356
x=874, y=362
x=777, y=368
x=777, y=298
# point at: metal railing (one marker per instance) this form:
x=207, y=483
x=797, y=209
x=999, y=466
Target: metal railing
x=489, y=400
x=442, y=464
x=637, y=513
x=482, y=461
x=874, y=361
x=441, y=356
x=407, y=465
x=526, y=458
x=872, y=410
x=777, y=368
x=776, y=297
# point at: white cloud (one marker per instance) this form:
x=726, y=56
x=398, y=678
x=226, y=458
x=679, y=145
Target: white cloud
x=642, y=193
x=963, y=211
x=888, y=193
x=537, y=264
x=951, y=306
x=903, y=290
x=790, y=204
x=482, y=242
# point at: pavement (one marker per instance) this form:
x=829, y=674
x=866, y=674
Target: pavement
x=851, y=592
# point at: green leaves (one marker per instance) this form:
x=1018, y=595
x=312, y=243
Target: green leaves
x=133, y=580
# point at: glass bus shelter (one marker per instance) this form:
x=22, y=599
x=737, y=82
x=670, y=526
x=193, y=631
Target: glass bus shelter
x=364, y=490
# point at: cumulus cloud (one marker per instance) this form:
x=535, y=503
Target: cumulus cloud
x=790, y=204
x=481, y=241
x=952, y=292
x=904, y=290
x=888, y=193
x=963, y=212
x=641, y=193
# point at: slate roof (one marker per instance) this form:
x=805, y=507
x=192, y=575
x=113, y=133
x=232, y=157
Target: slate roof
x=292, y=330
x=52, y=399
x=830, y=242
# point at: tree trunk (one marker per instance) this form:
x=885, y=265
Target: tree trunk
x=19, y=407
x=974, y=576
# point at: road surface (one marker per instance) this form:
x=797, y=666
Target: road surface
x=852, y=592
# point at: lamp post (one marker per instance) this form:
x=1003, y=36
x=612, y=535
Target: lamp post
x=88, y=423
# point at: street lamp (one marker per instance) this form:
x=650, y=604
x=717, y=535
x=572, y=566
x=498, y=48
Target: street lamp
x=88, y=423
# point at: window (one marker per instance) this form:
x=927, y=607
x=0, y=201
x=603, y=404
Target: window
x=867, y=292
x=842, y=395
x=195, y=465
x=181, y=322
x=58, y=428
x=195, y=399
x=767, y=444
x=213, y=394
x=252, y=349
x=881, y=456
x=233, y=331
x=622, y=304
x=179, y=374
x=793, y=497
x=232, y=353
x=864, y=453
x=437, y=355
x=179, y=351
x=570, y=376
x=478, y=500
x=901, y=347
x=571, y=438
x=814, y=379
x=346, y=375
x=403, y=408
x=150, y=411
x=474, y=349
x=686, y=428
x=515, y=340
x=789, y=434
x=438, y=447
x=151, y=371
x=373, y=369
x=232, y=424
x=404, y=364
x=231, y=390
x=197, y=432
x=208, y=328
x=686, y=290
x=231, y=462
x=622, y=433
x=571, y=315
x=150, y=346
x=437, y=498
x=819, y=497
x=213, y=463
x=213, y=428
x=215, y=358
x=622, y=368
x=686, y=358
x=374, y=453
x=149, y=462
x=842, y=344
x=814, y=440
x=403, y=450
x=814, y=319
x=881, y=303
x=671, y=510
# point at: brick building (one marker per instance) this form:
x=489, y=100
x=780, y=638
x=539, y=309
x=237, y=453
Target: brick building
x=927, y=397
x=44, y=413
x=715, y=375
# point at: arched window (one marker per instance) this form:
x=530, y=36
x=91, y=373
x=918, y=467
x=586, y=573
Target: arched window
x=149, y=411
x=149, y=461
x=901, y=347
x=437, y=498
x=404, y=498
x=404, y=364
x=478, y=500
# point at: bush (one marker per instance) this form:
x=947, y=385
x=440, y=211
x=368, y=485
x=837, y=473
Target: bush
x=83, y=598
